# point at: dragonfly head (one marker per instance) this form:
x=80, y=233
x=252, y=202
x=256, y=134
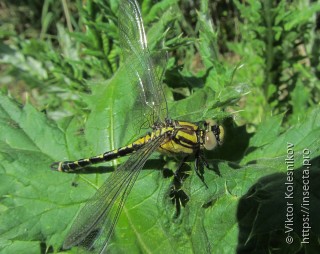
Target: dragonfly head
x=213, y=135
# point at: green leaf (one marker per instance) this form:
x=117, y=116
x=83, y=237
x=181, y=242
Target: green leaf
x=38, y=204
x=301, y=136
x=244, y=209
x=267, y=132
x=208, y=37
x=31, y=196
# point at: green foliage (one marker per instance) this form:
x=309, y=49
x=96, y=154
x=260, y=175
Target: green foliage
x=247, y=60
x=276, y=42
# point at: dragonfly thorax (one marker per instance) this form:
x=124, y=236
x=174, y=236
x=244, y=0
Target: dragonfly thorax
x=185, y=138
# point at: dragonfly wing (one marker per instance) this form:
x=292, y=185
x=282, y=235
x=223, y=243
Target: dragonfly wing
x=144, y=76
x=95, y=222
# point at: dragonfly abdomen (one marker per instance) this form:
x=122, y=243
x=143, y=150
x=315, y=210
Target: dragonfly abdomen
x=71, y=166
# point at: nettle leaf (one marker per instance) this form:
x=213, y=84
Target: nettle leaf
x=38, y=205
x=300, y=136
x=32, y=197
x=267, y=132
x=283, y=200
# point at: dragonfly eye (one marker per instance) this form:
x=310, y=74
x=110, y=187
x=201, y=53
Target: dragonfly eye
x=213, y=136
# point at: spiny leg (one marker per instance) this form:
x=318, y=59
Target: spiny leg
x=178, y=196
x=199, y=162
x=206, y=164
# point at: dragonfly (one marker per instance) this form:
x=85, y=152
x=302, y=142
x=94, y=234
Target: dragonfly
x=96, y=221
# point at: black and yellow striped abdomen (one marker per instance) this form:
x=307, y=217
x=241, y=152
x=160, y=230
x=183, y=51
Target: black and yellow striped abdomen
x=70, y=166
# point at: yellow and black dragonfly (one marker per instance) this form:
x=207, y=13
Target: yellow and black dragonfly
x=96, y=221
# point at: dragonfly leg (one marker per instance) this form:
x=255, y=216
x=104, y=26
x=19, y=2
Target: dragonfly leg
x=178, y=196
x=204, y=162
x=199, y=162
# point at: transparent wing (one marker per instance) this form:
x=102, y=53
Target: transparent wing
x=95, y=222
x=145, y=77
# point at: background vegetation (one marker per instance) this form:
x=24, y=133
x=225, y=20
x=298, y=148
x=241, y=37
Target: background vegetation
x=254, y=65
